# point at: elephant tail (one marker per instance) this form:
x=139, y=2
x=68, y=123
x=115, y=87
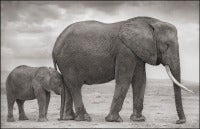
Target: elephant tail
x=54, y=62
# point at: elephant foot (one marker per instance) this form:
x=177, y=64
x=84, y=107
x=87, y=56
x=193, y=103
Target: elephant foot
x=181, y=121
x=42, y=119
x=137, y=118
x=68, y=117
x=23, y=117
x=71, y=116
x=113, y=118
x=83, y=117
x=11, y=119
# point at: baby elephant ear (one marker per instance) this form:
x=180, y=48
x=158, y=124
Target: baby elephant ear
x=43, y=78
x=138, y=36
x=45, y=82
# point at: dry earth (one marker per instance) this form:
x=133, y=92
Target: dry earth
x=159, y=108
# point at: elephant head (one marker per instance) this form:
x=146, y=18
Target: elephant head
x=50, y=79
x=56, y=82
x=155, y=42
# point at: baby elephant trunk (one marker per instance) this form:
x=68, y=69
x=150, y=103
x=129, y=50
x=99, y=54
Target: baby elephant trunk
x=58, y=90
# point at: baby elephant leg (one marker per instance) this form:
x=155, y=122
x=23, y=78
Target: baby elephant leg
x=41, y=98
x=22, y=115
x=10, y=102
x=48, y=94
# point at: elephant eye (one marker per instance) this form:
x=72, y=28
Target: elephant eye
x=164, y=47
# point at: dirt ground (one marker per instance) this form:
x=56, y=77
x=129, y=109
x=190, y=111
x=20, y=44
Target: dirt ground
x=159, y=108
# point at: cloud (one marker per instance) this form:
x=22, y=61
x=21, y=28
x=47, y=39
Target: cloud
x=19, y=11
x=36, y=11
x=29, y=28
x=8, y=52
x=24, y=27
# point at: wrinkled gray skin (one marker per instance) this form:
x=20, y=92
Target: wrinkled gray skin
x=91, y=52
x=28, y=83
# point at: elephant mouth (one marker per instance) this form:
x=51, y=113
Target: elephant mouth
x=159, y=56
x=175, y=81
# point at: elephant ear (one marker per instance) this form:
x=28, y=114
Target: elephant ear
x=138, y=36
x=43, y=78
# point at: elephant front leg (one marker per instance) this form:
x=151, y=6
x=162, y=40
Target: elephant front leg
x=117, y=102
x=138, y=88
x=123, y=76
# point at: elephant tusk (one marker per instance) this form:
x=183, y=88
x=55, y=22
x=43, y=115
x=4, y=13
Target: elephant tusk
x=175, y=81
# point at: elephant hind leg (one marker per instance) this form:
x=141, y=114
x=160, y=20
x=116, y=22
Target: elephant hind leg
x=74, y=87
x=81, y=113
x=138, y=88
x=22, y=115
x=68, y=104
x=66, y=109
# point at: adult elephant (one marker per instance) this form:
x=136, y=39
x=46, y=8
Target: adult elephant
x=91, y=52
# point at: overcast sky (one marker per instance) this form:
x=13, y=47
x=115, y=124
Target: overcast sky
x=29, y=29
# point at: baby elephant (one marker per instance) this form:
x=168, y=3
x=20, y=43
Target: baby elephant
x=27, y=83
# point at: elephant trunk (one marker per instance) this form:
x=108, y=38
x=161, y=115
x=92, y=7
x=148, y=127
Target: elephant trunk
x=175, y=81
x=174, y=67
